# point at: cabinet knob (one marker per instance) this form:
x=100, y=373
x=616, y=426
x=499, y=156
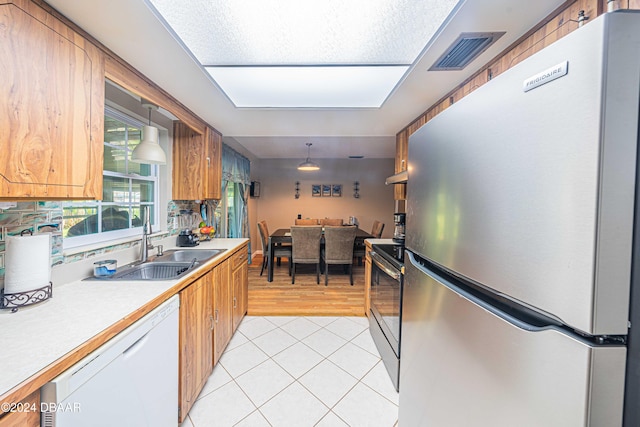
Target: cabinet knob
x=212, y=322
x=235, y=302
x=216, y=313
x=208, y=162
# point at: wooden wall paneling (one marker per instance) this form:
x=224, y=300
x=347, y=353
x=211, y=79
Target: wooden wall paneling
x=131, y=79
x=555, y=26
x=633, y=4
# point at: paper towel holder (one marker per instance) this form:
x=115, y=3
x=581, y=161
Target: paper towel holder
x=21, y=299
x=16, y=300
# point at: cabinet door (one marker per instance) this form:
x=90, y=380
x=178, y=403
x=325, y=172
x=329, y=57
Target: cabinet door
x=240, y=285
x=28, y=417
x=189, y=163
x=213, y=182
x=367, y=280
x=51, y=108
x=197, y=163
x=196, y=324
x=223, y=316
x=402, y=148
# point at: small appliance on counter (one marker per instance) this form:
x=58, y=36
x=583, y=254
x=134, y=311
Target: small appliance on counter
x=398, y=231
x=186, y=238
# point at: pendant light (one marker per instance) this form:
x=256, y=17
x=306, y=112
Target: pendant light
x=149, y=150
x=308, y=165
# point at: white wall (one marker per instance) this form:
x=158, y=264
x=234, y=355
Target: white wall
x=279, y=208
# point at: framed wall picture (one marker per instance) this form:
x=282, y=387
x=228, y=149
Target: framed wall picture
x=326, y=190
x=315, y=190
x=336, y=190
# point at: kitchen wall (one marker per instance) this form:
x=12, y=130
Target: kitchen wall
x=278, y=206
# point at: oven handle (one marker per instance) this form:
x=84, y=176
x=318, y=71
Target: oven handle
x=384, y=265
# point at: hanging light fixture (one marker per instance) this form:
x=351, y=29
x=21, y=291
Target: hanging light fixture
x=149, y=150
x=308, y=165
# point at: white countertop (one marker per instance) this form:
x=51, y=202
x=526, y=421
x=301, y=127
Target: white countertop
x=34, y=337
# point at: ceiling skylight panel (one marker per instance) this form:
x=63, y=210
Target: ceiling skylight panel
x=308, y=87
x=294, y=32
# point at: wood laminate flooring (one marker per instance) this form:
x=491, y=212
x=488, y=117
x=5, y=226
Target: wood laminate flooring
x=305, y=297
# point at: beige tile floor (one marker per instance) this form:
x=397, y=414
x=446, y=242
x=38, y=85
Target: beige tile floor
x=296, y=372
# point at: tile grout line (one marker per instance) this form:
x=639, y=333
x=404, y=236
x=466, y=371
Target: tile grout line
x=297, y=380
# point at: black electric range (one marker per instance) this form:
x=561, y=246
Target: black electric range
x=385, y=297
x=393, y=252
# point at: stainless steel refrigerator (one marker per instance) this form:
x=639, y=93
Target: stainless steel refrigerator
x=520, y=243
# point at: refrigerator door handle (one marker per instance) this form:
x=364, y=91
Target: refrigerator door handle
x=519, y=316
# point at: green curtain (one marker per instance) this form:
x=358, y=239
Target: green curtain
x=236, y=173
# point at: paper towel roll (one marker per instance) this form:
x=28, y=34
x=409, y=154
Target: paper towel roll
x=27, y=264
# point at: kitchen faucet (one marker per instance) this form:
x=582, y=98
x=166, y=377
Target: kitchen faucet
x=145, y=243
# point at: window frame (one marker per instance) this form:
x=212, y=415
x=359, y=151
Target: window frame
x=106, y=236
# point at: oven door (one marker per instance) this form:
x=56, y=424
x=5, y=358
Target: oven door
x=386, y=294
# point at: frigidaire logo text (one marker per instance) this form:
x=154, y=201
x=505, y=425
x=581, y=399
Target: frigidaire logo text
x=546, y=76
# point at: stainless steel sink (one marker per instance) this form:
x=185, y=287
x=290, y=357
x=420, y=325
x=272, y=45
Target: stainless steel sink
x=151, y=271
x=173, y=264
x=187, y=255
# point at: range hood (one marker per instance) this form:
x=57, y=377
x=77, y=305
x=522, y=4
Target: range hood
x=399, y=178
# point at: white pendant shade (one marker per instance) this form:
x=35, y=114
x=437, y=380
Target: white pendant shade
x=308, y=165
x=149, y=150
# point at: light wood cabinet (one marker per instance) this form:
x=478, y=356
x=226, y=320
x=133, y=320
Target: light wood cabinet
x=195, y=338
x=402, y=148
x=51, y=108
x=240, y=280
x=213, y=181
x=197, y=163
x=367, y=279
x=27, y=413
x=222, y=309
x=210, y=310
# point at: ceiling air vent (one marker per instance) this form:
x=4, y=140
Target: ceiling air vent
x=465, y=49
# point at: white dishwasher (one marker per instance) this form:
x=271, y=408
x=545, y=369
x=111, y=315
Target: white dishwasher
x=132, y=380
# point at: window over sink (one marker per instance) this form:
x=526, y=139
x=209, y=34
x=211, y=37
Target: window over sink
x=128, y=188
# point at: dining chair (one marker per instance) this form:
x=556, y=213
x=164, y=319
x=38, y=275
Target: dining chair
x=306, y=221
x=331, y=221
x=278, y=251
x=376, y=229
x=338, y=249
x=376, y=232
x=278, y=245
x=305, y=243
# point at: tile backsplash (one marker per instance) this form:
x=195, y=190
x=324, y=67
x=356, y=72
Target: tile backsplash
x=46, y=217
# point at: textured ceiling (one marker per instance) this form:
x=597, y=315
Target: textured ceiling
x=131, y=29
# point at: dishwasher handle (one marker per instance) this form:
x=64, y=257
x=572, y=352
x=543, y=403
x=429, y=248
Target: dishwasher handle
x=132, y=349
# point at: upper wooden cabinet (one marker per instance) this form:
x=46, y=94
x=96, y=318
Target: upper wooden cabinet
x=197, y=163
x=214, y=164
x=51, y=107
x=402, y=148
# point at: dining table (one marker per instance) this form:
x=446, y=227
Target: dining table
x=283, y=236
